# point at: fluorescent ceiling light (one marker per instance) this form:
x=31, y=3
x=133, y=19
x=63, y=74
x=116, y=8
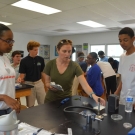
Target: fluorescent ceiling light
x=33, y=6
x=91, y=24
x=6, y=23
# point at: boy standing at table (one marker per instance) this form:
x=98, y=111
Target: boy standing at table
x=31, y=71
x=127, y=64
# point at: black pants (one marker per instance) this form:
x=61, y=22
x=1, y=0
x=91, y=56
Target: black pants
x=111, y=84
x=6, y=111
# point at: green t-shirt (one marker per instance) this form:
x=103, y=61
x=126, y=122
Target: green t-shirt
x=65, y=79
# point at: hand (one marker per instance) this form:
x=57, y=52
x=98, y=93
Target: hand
x=102, y=101
x=12, y=103
x=19, y=80
x=53, y=89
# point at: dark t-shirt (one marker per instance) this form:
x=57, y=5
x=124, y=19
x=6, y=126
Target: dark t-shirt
x=83, y=66
x=32, y=67
x=65, y=79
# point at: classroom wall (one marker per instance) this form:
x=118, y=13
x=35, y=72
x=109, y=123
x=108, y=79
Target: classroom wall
x=22, y=39
x=91, y=39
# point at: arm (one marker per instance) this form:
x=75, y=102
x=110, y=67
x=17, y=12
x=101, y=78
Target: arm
x=43, y=79
x=12, y=103
x=47, y=83
x=21, y=78
x=88, y=89
x=43, y=76
x=115, y=70
x=117, y=92
x=22, y=71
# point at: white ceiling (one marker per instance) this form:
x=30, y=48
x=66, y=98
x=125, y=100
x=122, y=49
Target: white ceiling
x=112, y=13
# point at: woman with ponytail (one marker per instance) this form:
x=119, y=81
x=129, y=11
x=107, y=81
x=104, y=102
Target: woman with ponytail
x=94, y=74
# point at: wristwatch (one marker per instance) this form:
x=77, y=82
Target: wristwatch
x=91, y=94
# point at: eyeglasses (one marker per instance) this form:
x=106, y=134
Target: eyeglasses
x=9, y=41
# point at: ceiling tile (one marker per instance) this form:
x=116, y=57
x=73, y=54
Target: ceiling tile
x=106, y=9
x=58, y=4
x=126, y=6
x=20, y=11
x=8, y=1
x=106, y=12
x=86, y=2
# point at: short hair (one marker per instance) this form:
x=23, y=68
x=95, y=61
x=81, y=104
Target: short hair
x=101, y=53
x=63, y=42
x=16, y=53
x=80, y=54
x=110, y=59
x=127, y=31
x=32, y=44
x=3, y=28
x=94, y=55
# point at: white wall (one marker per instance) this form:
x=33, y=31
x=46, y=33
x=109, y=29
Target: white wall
x=22, y=39
x=93, y=38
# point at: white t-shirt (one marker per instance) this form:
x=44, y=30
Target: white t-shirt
x=7, y=80
x=127, y=71
x=106, y=69
x=16, y=68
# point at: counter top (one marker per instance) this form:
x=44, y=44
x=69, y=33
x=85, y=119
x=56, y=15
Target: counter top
x=23, y=86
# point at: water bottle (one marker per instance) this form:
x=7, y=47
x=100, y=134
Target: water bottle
x=129, y=102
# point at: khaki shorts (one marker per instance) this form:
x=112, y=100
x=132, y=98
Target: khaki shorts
x=38, y=92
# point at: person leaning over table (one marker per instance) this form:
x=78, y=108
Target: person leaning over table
x=62, y=71
x=7, y=74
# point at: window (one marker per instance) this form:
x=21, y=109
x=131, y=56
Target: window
x=114, y=51
x=74, y=55
x=97, y=48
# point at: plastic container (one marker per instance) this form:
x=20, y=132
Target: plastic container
x=116, y=117
x=9, y=124
x=129, y=102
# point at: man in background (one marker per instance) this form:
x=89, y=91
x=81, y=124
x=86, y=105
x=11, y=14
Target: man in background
x=31, y=72
x=109, y=75
x=81, y=62
x=102, y=56
x=16, y=58
x=114, y=64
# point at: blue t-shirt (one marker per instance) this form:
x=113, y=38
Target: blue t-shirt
x=94, y=79
x=105, y=59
